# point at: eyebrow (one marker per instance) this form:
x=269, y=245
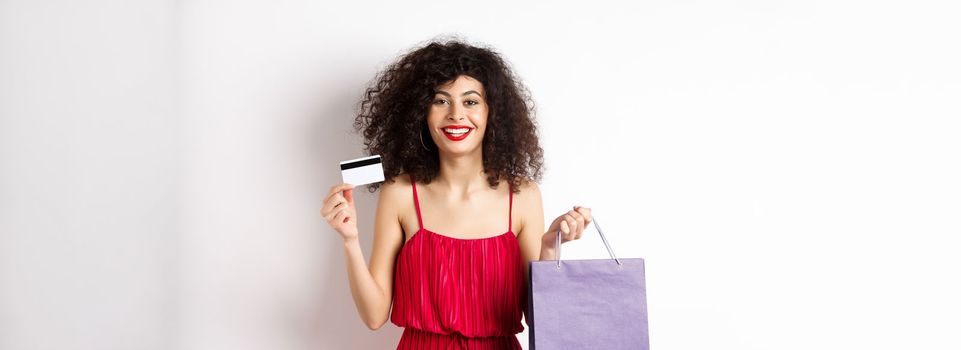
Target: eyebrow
x=464, y=94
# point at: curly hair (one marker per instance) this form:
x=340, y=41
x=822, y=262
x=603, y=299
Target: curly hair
x=393, y=114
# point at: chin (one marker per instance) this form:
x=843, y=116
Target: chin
x=457, y=151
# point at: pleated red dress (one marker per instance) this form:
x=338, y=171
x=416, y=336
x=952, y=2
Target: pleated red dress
x=453, y=293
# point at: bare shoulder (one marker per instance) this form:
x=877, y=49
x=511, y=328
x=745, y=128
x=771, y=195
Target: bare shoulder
x=528, y=208
x=402, y=180
x=395, y=189
x=529, y=190
x=528, y=200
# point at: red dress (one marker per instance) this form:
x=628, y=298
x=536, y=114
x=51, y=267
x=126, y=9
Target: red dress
x=453, y=293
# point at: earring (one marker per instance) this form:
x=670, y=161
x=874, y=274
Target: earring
x=422, y=141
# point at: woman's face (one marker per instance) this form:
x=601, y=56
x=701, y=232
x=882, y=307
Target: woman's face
x=457, y=117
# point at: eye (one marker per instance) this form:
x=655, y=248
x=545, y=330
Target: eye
x=472, y=102
x=440, y=101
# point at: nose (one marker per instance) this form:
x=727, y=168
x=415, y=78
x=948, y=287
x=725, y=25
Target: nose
x=455, y=113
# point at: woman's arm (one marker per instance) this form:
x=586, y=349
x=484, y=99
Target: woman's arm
x=532, y=225
x=371, y=288
x=531, y=228
x=535, y=243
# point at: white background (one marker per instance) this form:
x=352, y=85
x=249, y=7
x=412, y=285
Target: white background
x=788, y=169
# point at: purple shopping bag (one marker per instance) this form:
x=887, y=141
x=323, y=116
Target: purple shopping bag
x=588, y=304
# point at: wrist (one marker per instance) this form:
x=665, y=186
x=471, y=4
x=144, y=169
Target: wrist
x=351, y=242
x=548, y=239
x=548, y=252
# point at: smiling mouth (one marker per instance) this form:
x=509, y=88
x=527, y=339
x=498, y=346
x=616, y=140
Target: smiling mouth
x=457, y=133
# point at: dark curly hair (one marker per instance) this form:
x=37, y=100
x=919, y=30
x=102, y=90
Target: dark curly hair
x=393, y=114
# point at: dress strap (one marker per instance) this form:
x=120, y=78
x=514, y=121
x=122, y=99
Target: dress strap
x=416, y=203
x=510, y=209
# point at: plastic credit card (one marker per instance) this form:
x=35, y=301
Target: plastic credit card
x=362, y=171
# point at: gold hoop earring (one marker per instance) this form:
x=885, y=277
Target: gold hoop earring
x=422, y=141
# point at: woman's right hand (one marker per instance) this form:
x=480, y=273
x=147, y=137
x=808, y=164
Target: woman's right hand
x=339, y=211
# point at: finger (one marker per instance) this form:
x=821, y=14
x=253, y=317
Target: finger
x=339, y=206
x=572, y=224
x=586, y=212
x=330, y=216
x=578, y=220
x=333, y=189
x=337, y=189
x=325, y=211
x=334, y=201
x=333, y=213
x=582, y=222
x=329, y=205
x=578, y=228
x=341, y=217
x=349, y=195
x=564, y=228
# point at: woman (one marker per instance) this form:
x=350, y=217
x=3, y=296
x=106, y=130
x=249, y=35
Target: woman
x=456, y=134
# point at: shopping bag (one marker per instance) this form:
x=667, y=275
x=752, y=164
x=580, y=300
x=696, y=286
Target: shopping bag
x=587, y=304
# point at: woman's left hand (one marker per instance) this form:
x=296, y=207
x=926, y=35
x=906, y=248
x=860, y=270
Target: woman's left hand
x=571, y=224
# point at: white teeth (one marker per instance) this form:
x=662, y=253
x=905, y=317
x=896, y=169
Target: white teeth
x=456, y=132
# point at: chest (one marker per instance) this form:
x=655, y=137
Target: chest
x=472, y=218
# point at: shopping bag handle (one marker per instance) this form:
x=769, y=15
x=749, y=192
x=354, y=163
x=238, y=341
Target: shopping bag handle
x=557, y=244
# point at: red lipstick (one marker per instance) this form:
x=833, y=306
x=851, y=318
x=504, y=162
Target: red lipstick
x=457, y=136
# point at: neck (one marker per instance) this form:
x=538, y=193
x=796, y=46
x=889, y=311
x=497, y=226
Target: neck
x=462, y=174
